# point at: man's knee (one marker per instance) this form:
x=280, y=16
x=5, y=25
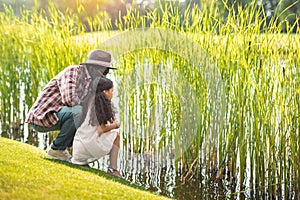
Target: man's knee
x=77, y=113
x=70, y=114
x=77, y=110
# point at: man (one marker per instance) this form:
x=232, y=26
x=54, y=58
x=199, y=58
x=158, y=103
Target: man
x=59, y=105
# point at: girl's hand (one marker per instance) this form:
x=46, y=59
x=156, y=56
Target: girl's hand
x=112, y=124
x=116, y=124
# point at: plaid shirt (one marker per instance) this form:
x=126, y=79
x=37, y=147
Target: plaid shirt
x=68, y=88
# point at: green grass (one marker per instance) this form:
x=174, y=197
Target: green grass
x=26, y=174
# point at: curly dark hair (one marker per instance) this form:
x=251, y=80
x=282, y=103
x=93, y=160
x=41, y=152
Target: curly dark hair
x=102, y=108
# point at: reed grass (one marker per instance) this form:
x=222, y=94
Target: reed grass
x=258, y=144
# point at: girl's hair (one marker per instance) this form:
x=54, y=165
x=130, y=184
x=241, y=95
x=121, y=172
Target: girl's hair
x=101, y=109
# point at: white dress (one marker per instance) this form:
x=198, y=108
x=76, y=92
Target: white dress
x=89, y=145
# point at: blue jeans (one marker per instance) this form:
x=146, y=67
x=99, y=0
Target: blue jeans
x=69, y=121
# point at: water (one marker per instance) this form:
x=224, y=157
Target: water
x=163, y=176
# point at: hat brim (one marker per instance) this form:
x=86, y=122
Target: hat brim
x=96, y=64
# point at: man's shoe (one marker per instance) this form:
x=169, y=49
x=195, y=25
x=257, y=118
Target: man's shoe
x=58, y=154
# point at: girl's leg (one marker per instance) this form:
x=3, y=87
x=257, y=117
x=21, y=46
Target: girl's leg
x=113, y=156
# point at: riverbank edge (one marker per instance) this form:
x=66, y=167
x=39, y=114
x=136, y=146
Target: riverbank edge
x=26, y=174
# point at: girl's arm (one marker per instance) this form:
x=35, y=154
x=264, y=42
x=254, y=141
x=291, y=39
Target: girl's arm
x=107, y=127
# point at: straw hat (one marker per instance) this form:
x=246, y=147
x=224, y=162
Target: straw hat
x=99, y=58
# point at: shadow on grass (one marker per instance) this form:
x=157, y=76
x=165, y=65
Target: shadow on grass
x=97, y=172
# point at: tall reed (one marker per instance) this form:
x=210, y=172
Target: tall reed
x=259, y=67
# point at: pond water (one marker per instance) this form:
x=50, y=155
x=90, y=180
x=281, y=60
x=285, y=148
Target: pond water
x=149, y=172
x=161, y=174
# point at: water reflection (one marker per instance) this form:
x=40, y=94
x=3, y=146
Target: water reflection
x=148, y=171
x=161, y=177
x=160, y=174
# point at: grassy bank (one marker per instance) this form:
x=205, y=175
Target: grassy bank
x=26, y=174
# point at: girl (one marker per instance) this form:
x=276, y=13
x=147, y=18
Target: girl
x=98, y=135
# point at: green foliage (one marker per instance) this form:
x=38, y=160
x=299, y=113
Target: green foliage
x=288, y=13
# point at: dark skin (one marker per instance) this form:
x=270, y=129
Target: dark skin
x=105, y=128
x=96, y=71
